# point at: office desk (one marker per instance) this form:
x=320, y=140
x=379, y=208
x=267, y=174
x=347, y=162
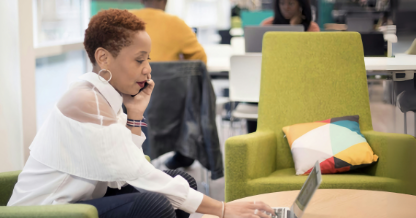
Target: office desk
x=390, y=64
x=373, y=65
x=401, y=68
x=341, y=203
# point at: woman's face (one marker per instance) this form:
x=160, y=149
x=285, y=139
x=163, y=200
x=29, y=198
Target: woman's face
x=289, y=8
x=131, y=67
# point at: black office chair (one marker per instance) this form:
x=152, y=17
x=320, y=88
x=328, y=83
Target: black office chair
x=375, y=46
x=181, y=115
x=406, y=98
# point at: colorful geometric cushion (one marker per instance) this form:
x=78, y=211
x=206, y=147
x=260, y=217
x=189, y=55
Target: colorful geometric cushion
x=336, y=143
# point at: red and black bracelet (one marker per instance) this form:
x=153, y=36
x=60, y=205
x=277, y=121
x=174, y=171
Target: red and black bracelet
x=137, y=123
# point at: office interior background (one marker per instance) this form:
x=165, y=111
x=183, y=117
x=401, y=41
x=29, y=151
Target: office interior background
x=42, y=53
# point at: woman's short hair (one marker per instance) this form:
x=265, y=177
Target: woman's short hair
x=112, y=30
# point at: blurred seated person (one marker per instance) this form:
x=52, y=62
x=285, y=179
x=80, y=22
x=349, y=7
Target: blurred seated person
x=172, y=38
x=293, y=12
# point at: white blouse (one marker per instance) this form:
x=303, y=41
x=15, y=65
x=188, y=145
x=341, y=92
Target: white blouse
x=84, y=146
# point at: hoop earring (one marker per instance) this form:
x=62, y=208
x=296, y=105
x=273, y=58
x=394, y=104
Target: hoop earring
x=102, y=78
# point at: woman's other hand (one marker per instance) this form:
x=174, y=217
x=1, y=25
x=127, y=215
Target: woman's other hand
x=297, y=19
x=256, y=209
x=137, y=105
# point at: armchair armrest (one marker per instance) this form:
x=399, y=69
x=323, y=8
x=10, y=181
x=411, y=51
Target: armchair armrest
x=7, y=182
x=247, y=157
x=46, y=211
x=396, y=158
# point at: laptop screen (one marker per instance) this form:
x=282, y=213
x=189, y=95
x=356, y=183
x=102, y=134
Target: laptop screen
x=253, y=35
x=308, y=189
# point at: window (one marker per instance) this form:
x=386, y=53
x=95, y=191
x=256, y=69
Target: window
x=59, y=21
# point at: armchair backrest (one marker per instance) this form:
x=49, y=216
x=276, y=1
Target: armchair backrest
x=309, y=77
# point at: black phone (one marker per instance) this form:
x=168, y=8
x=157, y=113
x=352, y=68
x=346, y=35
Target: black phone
x=145, y=85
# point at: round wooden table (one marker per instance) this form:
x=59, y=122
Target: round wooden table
x=344, y=203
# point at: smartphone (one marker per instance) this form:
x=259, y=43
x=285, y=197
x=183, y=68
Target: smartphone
x=145, y=85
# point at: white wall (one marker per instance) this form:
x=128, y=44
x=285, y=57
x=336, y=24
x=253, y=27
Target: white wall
x=17, y=83
x=11, y=141
x=27, y=74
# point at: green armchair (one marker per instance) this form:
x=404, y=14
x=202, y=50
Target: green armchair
x=308, y=77
x=7, y=182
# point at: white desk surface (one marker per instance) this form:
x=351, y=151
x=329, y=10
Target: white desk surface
x=218, y=57
x=401, y=62
x=218, y=65
x=390, y=64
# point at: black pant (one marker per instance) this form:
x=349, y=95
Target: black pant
x=251, y=126
x=129, y=202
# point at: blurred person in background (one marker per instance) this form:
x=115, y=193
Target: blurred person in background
x=293, y=12
x=172, y=40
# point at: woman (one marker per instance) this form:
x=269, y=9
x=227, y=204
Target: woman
x=293, y=12
x=89, y=152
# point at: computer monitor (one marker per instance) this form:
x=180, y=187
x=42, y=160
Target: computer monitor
x=308, y=190
x=254, y=34
x=360, y=23
x=373, y=44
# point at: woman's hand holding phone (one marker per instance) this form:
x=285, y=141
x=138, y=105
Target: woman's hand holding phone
x=136, y=105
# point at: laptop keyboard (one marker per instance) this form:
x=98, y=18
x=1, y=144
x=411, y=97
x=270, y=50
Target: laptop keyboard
x=281, y=213
x=278, y=213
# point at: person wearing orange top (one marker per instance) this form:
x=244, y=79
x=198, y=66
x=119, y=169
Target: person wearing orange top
x=293, y=12
x=172, y=39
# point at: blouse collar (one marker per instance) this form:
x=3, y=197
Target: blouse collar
x=106, y=89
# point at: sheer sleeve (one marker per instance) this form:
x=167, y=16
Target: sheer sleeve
x=85, y=104
x=84, y=137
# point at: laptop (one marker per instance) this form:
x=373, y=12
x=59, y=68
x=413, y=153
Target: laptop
x=361, y=24
x=254, y=34
x=305, y=195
